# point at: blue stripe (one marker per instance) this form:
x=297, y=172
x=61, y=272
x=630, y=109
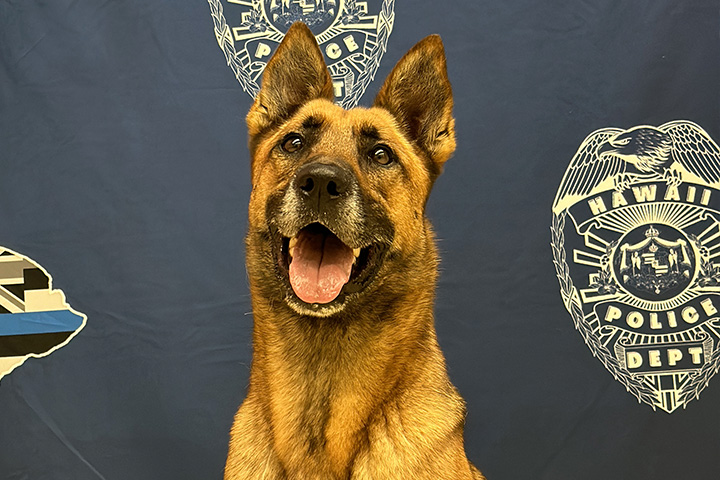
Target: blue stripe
x=39, y=322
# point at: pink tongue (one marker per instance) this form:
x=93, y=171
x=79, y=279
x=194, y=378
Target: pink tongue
x=320, y=266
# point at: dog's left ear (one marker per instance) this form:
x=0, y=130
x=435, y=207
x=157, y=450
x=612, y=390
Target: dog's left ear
x=295, y=74
x=418, y=93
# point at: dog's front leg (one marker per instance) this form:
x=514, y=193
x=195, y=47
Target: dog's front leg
x=251, y=456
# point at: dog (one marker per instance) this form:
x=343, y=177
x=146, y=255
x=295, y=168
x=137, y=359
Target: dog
x=347, y=378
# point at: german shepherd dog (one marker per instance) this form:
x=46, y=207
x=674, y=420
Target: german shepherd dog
x=347, y=379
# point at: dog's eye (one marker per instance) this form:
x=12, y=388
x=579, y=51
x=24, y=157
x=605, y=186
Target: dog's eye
x=382, y=155
x=292, y=143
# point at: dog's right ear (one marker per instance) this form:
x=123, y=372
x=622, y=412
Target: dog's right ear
x=295, y=74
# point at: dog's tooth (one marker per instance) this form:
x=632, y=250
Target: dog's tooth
x=356, y=252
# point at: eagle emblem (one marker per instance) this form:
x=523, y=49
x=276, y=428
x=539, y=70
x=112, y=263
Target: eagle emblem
x=641, y=153
x=639, y=261
x=352, y=34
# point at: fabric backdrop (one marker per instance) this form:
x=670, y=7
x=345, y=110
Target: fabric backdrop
x=124, y=174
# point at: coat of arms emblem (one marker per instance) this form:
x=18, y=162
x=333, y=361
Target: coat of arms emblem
x=639, y=260
x=352, y=34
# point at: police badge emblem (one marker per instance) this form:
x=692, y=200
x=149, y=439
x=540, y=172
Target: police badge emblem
x=641, y=276
x=352, y=38
x=35, y=319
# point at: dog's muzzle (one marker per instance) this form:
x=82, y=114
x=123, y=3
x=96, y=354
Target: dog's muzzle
x=323, y=185
x=330, y=238
x=323, y=251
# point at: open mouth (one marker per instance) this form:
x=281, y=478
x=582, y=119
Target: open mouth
x=322, y=268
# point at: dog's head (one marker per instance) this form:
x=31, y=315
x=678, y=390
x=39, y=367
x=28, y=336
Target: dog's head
x=338, y=199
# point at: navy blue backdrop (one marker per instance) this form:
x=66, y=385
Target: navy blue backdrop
x=124, y=173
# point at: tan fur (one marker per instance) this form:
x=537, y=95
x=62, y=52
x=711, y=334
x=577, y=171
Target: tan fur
x=358, y=390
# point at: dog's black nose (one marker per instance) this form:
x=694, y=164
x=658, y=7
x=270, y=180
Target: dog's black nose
x=321, y=183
